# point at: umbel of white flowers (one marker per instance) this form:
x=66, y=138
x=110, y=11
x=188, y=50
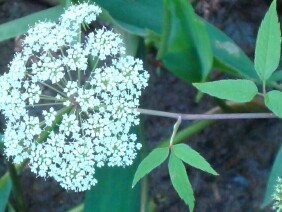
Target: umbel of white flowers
x=70, y=100
x=277, y=196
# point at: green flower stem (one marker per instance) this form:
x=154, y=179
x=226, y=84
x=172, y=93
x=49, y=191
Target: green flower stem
x=78, y=77
x=175, y=128
x=51, y=87
x=14, y=170
x=80, y=121
x=78, y=70
x=68, y=71
x=264, y=87
x=193, y=129
x=43, y=136
x=64, y=81
x=43, y=97
x=93, y=63
x=16, y=186
x=69, y=74
x=45, y=104
x=61, y=87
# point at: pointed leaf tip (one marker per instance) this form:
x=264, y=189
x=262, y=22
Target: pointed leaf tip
x=268, y=44
x=154, y=159
x=192, y=158
x=234, y=90
x=180, y=181
x=273, y=100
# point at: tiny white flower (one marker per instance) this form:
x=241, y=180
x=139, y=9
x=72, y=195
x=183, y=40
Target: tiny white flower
x=104, y=43
x=86, y=111
x=277, y=196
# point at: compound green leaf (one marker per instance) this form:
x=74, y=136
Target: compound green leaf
x=276, y=172
x=20, y=26
x=233, y=90
x=180, y=181
x=154, y=159
x=185, y=46
x=273, y=100
x=267, y=53
x=193, y=158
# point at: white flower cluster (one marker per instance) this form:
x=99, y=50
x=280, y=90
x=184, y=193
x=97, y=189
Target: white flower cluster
x=277, y=196
x=70, y=101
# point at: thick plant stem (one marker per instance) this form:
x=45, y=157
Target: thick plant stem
x=199, y=125
x=208, y=116
x=17, y=190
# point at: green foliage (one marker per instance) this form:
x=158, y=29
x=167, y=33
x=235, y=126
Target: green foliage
x=113, y=192
x=276, y=76
x=21, y=25
x=135, y=16
x=5, y=187
x=180, y=181
x=276, y=172
x=130, y=41
x=154, y=159
x=193, y=158
x=228, y=57
x=268, y=42
x=273, y=100
x=233, y=90
x=5, y=190
x=66, y=2
x=185, y=46
x=177, y=172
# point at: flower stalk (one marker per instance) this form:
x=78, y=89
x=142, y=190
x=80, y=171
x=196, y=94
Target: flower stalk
x=16, y=186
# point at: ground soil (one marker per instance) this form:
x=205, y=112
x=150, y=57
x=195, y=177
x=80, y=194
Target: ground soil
x=241, y=151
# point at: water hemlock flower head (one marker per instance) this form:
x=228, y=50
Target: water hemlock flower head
x=277, y=196
x=70, y=100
